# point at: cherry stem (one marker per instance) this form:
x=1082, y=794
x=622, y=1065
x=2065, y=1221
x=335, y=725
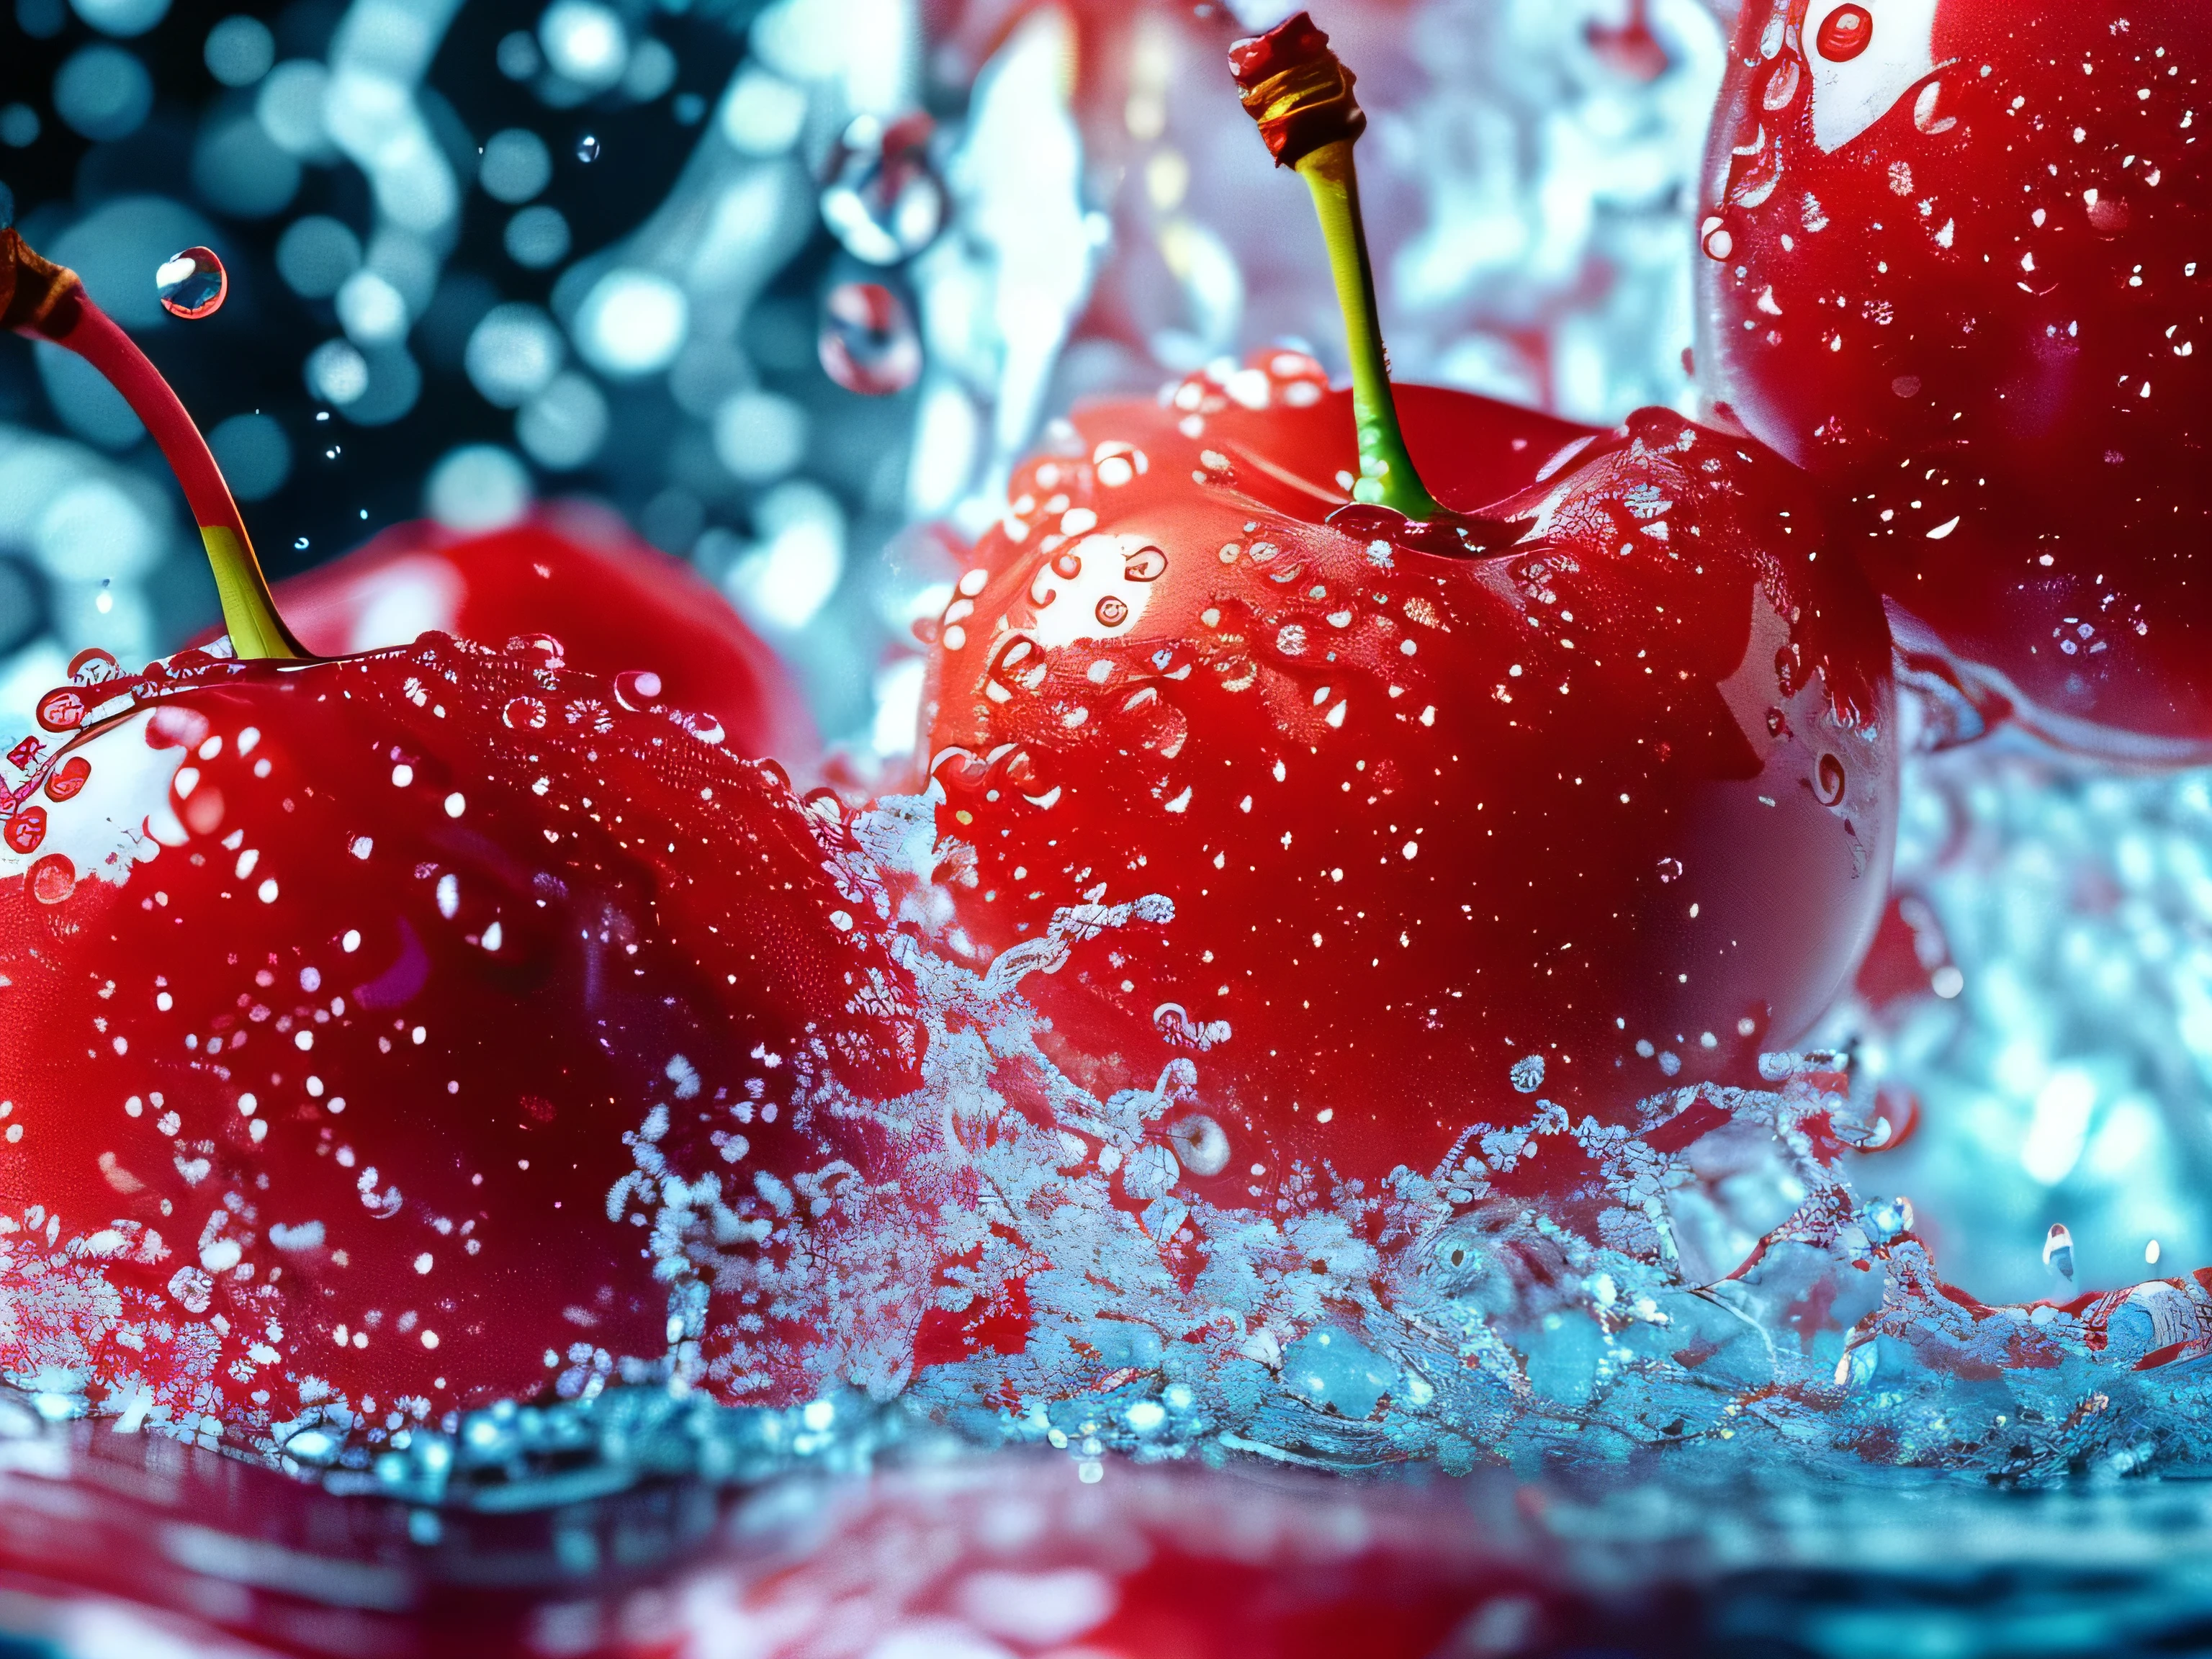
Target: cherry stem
x=47, y=301
x=1299, y=94
x=1387, y=475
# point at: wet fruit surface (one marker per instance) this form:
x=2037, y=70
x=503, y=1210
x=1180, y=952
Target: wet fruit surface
x=1608, y=804
x=1955, y=264
x=615, y=604
x=407, y=1031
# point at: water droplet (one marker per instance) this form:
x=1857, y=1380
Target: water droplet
x=25, y=829
x=1828, y=783
x=1069, y=565
x=1528, y=1074
x=192, y=285
x=52, y=879
x=68, y=778
x=1716, y=241
x=705, y=727
x=524, y=714
x=1670, y=869
x=637, y=687
x=588, y=149
x=1781, y=85
x=542, y=645
x=1199, y=1143
x=61, y=709
x=885, y=205
x=1146, y=564
x=1846, y=33
x=2058, y=1250
x=868, y=343
x=1112, y=611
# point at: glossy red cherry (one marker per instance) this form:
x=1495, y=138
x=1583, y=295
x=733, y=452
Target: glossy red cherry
x=359, y=1015
x=1589, y=791
x=1954, y=265
x=1610, y=805
x=615, y=604
x=400, y=1032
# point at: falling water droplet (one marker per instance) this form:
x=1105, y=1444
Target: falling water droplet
x=868, y=341
x=2058, y=1251
x=885, y=205
x=192, y=285
x=2151, y=1252
x=588, y=149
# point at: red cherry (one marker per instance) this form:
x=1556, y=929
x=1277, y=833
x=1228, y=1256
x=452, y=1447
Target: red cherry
x=615, y=606
x=1609, y=803
x=339, y=1009
x=1955, y=269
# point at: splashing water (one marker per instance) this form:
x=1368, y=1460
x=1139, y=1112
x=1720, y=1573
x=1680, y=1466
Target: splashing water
x=1705, y=1272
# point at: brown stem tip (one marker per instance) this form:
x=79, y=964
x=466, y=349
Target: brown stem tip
x=1296, y=90
x=30, y=287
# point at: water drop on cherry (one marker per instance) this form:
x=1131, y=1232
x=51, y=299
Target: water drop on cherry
x=1112, y=611
x=192, y=285
x=524, y=714
x=52, y=879
x=637, y=687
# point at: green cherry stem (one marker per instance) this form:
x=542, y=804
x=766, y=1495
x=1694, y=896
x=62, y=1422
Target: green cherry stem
x=47, y=301
x=1299, y=94
x=1386, y=476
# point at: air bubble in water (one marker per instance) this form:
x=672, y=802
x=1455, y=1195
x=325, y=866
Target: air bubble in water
x=868, y=343
x=588, y=149
x=191, y=284
x=885, y=204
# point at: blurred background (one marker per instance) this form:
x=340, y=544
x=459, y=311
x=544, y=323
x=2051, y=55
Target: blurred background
x=785, y=285
x=788, y=286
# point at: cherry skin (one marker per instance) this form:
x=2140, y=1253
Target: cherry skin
x=1608, y=805
x=615, y=603
x=1955, y=266
x=362, y=1013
